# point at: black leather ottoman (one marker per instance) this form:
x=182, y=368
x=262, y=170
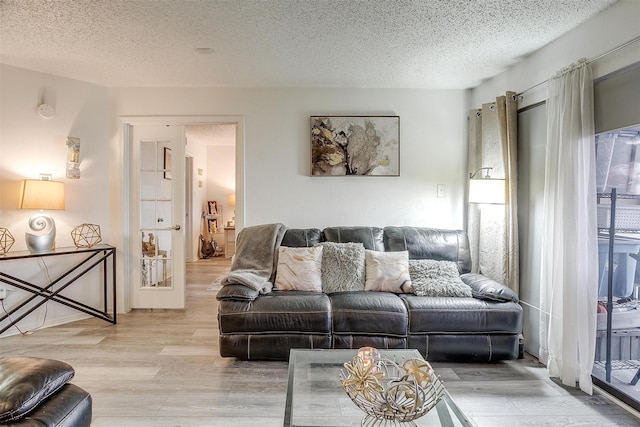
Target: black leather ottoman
x=35, y=392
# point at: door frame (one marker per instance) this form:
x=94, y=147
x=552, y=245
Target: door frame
x=126, y=125
x=188, y=198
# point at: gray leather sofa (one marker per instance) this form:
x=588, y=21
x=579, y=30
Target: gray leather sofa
x=485, y=327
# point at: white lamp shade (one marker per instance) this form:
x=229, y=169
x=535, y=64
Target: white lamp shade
x=487, y=190
x=232, y=199
x=41, y=194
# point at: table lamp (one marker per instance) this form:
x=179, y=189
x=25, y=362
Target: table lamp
x=41, y=194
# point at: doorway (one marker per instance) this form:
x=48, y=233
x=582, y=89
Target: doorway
x=212, y=148
x=131, y=263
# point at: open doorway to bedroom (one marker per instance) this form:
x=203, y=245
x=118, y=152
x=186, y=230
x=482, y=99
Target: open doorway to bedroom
x=212, y=153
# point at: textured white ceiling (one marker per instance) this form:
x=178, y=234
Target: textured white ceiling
x=221, y=135
x=450, y=44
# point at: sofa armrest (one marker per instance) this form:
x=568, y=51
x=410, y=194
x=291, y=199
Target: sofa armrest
x=25, y=382
x=488, y=289
x=237, y=292
x=69, y=406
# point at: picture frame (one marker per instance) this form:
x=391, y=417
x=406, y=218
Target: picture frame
x=355, y=145
x=212, y=225
x=212, y=207
x=166, y=164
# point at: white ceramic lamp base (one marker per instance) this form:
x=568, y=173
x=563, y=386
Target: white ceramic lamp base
x=42, y=234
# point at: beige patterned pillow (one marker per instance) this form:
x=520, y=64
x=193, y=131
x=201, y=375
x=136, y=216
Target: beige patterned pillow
x=299, y=269
x=387, y=272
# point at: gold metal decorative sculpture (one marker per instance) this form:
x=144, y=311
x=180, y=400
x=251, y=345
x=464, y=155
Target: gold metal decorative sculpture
x=86, y=235
x=6, y=240
x=390, y=394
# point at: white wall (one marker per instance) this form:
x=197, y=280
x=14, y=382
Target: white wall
x=221, y=180
x=606, y=31
x=30, y=145
x=275, y=167
x=198, y=153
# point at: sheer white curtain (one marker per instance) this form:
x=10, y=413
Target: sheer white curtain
x=569, y=272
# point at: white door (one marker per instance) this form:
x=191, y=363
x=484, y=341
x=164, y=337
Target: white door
x=157, y=217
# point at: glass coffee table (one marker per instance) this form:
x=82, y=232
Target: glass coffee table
x=315, y=397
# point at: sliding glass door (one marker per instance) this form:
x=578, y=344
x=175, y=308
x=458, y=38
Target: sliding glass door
x=617, y=357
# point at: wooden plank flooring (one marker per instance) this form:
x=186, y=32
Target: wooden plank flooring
x=162, y=368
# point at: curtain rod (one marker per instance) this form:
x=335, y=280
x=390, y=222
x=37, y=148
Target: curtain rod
x=615, y=49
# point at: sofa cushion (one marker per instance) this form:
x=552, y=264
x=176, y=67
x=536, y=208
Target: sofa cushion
x=25, y=382
x=387, y=272
x=442, y=315
x=299, y=269
x=488, y=289
x=368, y=313
x=436, y=279
x=371, y=237
x=299, y=237
x=343, y=267
x=277, y=312
x=430, y=243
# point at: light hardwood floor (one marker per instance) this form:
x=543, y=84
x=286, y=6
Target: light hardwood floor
x=162, y=368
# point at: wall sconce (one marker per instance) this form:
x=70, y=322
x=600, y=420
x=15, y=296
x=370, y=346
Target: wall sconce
x=41, y=194
x=73, y=158
x=486, y=190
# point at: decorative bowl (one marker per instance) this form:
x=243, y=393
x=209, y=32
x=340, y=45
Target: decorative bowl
x=390, y=394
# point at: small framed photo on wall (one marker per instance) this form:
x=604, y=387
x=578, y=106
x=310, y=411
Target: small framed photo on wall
x=212, y=224
x=213, y=207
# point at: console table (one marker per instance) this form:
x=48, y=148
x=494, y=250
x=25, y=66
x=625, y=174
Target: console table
x=99, y=255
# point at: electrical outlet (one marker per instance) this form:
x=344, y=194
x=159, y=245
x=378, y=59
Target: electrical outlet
x=3, y=293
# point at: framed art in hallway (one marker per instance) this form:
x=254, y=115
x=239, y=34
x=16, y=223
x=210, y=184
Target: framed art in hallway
x=355, y=145
x=212, y=224
x=212, y=207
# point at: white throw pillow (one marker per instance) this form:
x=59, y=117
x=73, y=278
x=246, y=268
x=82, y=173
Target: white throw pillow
x=387, y=271
x=299, y=269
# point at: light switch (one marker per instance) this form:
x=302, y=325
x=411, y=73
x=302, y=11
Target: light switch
x=440, y=190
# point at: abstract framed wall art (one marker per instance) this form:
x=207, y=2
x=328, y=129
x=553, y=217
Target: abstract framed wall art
x=355, y=145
